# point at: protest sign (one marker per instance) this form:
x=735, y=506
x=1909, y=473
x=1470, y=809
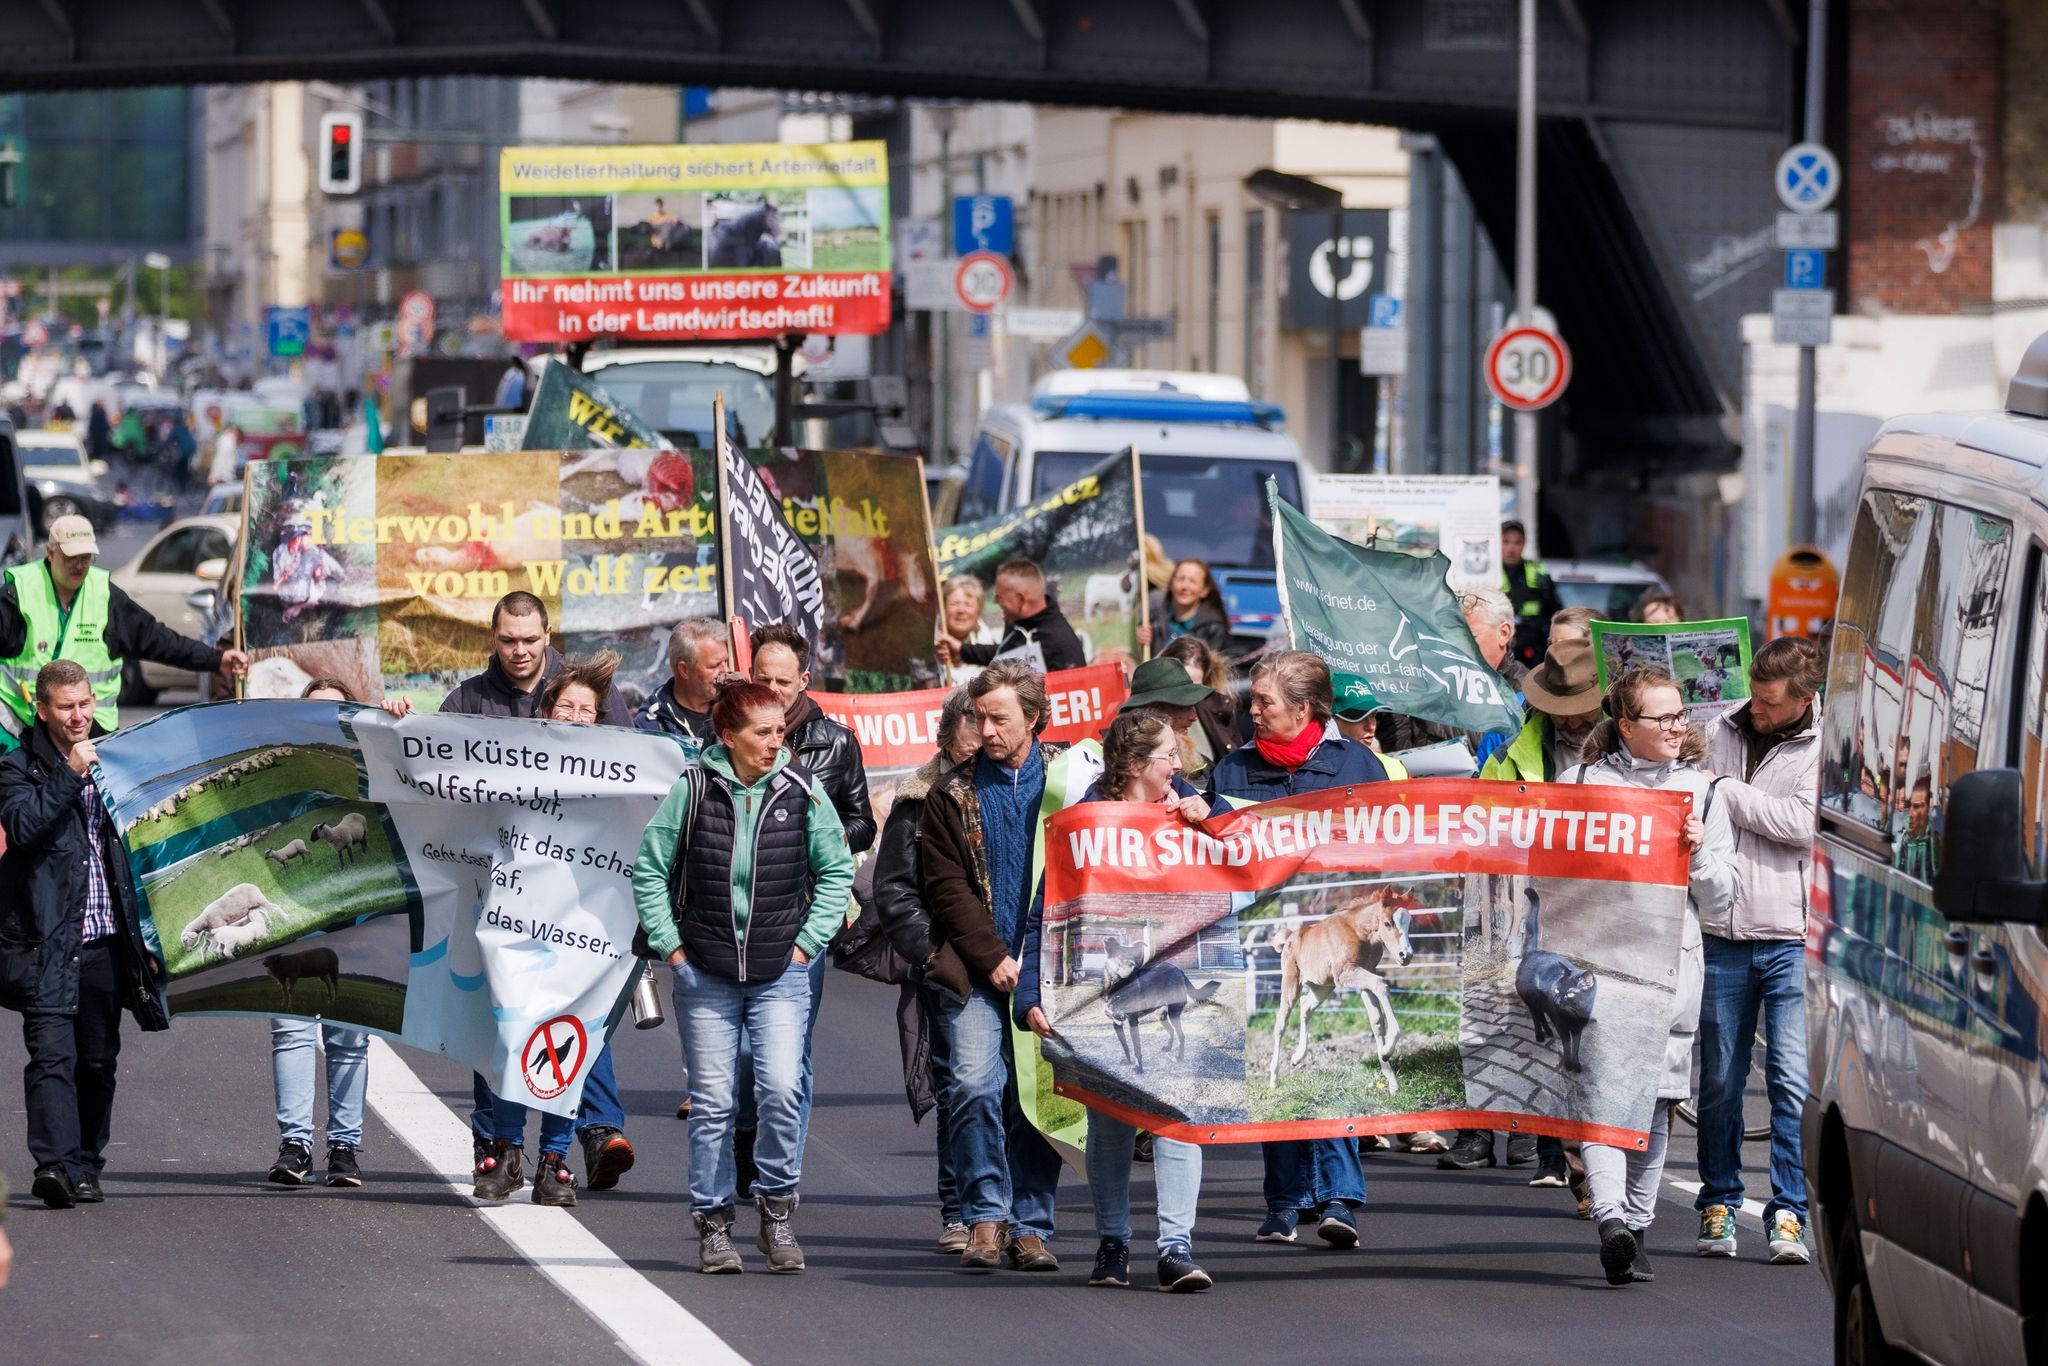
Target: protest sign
x=1417, y=514
x=462, y=884
x=1389, y=618
x=572, y=412
x=1087, y=536
x=1477, y=955
x=671, y=243
x=1710, y=659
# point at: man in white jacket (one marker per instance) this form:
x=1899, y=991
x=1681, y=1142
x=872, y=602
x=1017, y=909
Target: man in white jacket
x=1767, y=756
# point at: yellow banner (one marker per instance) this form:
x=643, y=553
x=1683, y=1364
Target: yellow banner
x=613, y=170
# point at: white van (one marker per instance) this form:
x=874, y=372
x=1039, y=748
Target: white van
x=1205, y=450
x=1926, y=1133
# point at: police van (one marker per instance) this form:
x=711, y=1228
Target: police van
x=1926, y=1131
x=1205, y=450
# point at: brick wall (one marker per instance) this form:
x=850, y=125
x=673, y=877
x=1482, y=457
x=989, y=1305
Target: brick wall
x=1922, y=164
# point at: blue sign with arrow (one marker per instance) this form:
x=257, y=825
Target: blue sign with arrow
x=984, y=222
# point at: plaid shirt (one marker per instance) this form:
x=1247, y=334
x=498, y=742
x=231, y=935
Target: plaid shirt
x=99, y=898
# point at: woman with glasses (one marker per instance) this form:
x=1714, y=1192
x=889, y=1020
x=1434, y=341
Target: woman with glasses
x=1647, y=742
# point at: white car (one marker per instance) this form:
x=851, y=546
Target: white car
x=190, y=554
x=57, y=465
x=1612, y=590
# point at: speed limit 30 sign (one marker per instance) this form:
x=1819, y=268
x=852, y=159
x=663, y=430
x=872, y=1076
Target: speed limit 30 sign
x=1527, y=367
x=983, y=280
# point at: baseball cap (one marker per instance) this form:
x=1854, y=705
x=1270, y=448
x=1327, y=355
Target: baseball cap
x=1354, y=699
x=73, y=535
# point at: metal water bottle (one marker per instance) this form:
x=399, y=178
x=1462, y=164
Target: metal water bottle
x=646, y=1000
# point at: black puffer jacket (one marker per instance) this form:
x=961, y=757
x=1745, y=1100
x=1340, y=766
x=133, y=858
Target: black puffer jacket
x=899, y=873
x=44, y=871
x=492, y=693
x=830, y=753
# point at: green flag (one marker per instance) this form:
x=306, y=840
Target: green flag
x=1390, y=619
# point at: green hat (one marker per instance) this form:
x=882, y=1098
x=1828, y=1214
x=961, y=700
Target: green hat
x=1355, y=701
x=1164, y=682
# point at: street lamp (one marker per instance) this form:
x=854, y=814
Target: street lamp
x=1299, y=194
x=161, y=264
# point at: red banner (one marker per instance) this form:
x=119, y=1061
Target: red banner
x=900, y=730
x=664, y=307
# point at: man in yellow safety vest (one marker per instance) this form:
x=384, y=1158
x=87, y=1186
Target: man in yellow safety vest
x=1530, y=589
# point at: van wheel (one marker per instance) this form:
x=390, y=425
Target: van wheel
x=1859, y=1341
x=134, y=691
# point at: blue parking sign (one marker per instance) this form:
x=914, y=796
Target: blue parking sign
x=1806, y=268
x=984, y=222
x=288, y=330
x=1384, y=311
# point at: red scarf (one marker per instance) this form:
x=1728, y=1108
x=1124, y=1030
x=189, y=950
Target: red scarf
x=1293, y=753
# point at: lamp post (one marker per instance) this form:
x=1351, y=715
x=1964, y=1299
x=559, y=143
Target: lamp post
x=1299, y=194
x=161, y=264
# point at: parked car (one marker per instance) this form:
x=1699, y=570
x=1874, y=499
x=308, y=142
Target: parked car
x=1612, y=590
x=57, y=464
x=190, y=554
x=18, y=503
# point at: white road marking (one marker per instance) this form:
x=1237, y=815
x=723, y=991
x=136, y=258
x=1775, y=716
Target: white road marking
x=650, y=1326
x=1692, y=1189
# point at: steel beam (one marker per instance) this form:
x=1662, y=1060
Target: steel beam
x=870, y=21
x=380, y=17
x=61, y=21
x=216, y=10
x=1781, y=17
x=707, y=19
x=1193, y=20
x=543, y=20
x=1574, y=21
x=1356, y=19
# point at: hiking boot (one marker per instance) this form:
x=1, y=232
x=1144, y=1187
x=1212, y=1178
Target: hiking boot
x=984, y=1250
x=777, y=1239
x=1428, y=1141
x=1786, y=1246
x=716, y=1256
x=1717, y=1232
x=1339, y=1227
x=607, y=1156
x=1027, y=1252
x=1581, y=1188
x=1178, y=1273
x=1473, y=1148
x=1521, y=1149
x=54, y=1188
x=553, y=1182
x=86, y=1190
x=1551, y=1171
x=501, y=1173
x=1112, y=1263
x=341, y=1166
x=1639, y=1269
x=743, y=1163
x=1278, y=1228
x=294, y=1165
x=953, y=1238
x=1618, y=1248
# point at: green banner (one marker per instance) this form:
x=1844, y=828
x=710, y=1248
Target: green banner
x=1710, y=659
x=571, y=412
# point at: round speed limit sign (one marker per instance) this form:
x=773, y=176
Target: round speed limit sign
x=1527, y=367
x=983, y=280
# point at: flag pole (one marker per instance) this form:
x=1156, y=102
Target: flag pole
x=1144, y=551
x=931, y=545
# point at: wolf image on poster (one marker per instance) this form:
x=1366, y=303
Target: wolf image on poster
x=1134, y=988
x=1559, y=993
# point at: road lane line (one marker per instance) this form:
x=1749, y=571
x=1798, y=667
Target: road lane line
x=649, y=1325
x=1749, y=1207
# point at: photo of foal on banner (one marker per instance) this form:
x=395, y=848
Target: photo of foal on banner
x=1436, y=954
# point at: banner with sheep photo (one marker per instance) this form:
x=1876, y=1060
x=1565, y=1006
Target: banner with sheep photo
x=1437, y=954
x=383, y=572
x=461, y=884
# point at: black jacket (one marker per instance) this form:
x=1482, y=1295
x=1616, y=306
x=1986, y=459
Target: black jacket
x=665, y=714
x=44, y=870
x=132, y=633
x=899, y=873
x=1054, y=636
x=492, y=693
x=1207, y=625
x=831, y=754
x=702, y=898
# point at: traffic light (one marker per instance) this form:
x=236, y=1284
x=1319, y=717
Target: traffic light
x=341, y=153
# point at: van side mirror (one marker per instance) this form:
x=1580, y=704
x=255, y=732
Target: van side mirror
x=1983, y=878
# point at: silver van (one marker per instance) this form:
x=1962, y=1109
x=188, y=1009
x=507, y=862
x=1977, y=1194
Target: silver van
x=1926, y=1133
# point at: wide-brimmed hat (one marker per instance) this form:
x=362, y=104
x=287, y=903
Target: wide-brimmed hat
x=1354, y=698
x=1164, y=682
x=1566, y=682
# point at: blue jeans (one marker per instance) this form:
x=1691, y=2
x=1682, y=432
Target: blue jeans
x=509, y=1124
x=942, y=1077
x=712, y=1012
x=348, y=1076
x=1745, y=978
x=600, y=1107
x=1309, y=1173
x=1176, y=1180
x=1006, y=1171
x=747, y=1121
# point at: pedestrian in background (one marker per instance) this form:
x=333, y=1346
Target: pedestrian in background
x=1659, y=608
x=963, y=600
x=1190, y=605
x=1529, y=587
x=698, y=654
x=1034, y=629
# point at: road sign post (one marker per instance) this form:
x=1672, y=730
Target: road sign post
x=1807, y=180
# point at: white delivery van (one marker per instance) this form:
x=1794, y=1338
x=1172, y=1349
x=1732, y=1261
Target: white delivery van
x=1205, y=450
x=1926, y=1132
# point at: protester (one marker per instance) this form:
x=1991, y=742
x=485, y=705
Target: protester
x=72, y=956
x=1530, y=589
x=976, y=840
x=1218, y=729
x=63, y=606
x=741, y=881
x=1165, y=687
x=1291, y=753
x=1659, y=607
x=1647, y=742
x=1140, y=762
x=1573, y=622
x=1767, y=753
x=698, y=653
x=963, y=600
x=900, y=905
x=1033, y=628
x=99, y=432
x=1190, y=605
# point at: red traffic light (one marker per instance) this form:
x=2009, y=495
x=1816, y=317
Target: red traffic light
x=341, y=133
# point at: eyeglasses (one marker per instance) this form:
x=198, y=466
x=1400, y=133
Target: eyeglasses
x=1674, y=721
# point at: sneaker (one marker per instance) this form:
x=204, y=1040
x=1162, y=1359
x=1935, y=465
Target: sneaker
x=294, y=1165
x=777, y=1238
x=53, y=1186
x=1639, y=1269
x=1717, y=1232
x=1474, y=1148
x=1428, y=1141
x=953, y=1238
x=744, y=1170
x=1141, y=1147
x=1551, y=1171
x=1178, y=1272
x=1786, y=1244
x=1113, y=1263
x=715, y=1253
x=1278, y=1228
x=1521, y=1149
x=553, y=1182
x=1618, y=1250
x=501, y=1173
x=86, y=1190
x=984, y=1247
x=1339, y=1227
x=683, y=1108
x=341, y=1166
x=607, y=1156
x=1028, y=1252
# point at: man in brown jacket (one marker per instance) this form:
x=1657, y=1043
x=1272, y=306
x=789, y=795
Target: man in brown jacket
x=979, y=826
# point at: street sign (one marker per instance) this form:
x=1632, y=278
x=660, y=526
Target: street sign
x=1808, y=178
x=1384, y=311
x=1806, y=269
x=1527, y=368
x=1801, y=230
x=287, y=330
x=1091, y=348
x=983, y=280
x=1041, y=324
x=1802, y=317
x=1141, y=329
x=984, y=222
x=415, y=322
x=347, y=248
x=1383, y=351
x=978, y=350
